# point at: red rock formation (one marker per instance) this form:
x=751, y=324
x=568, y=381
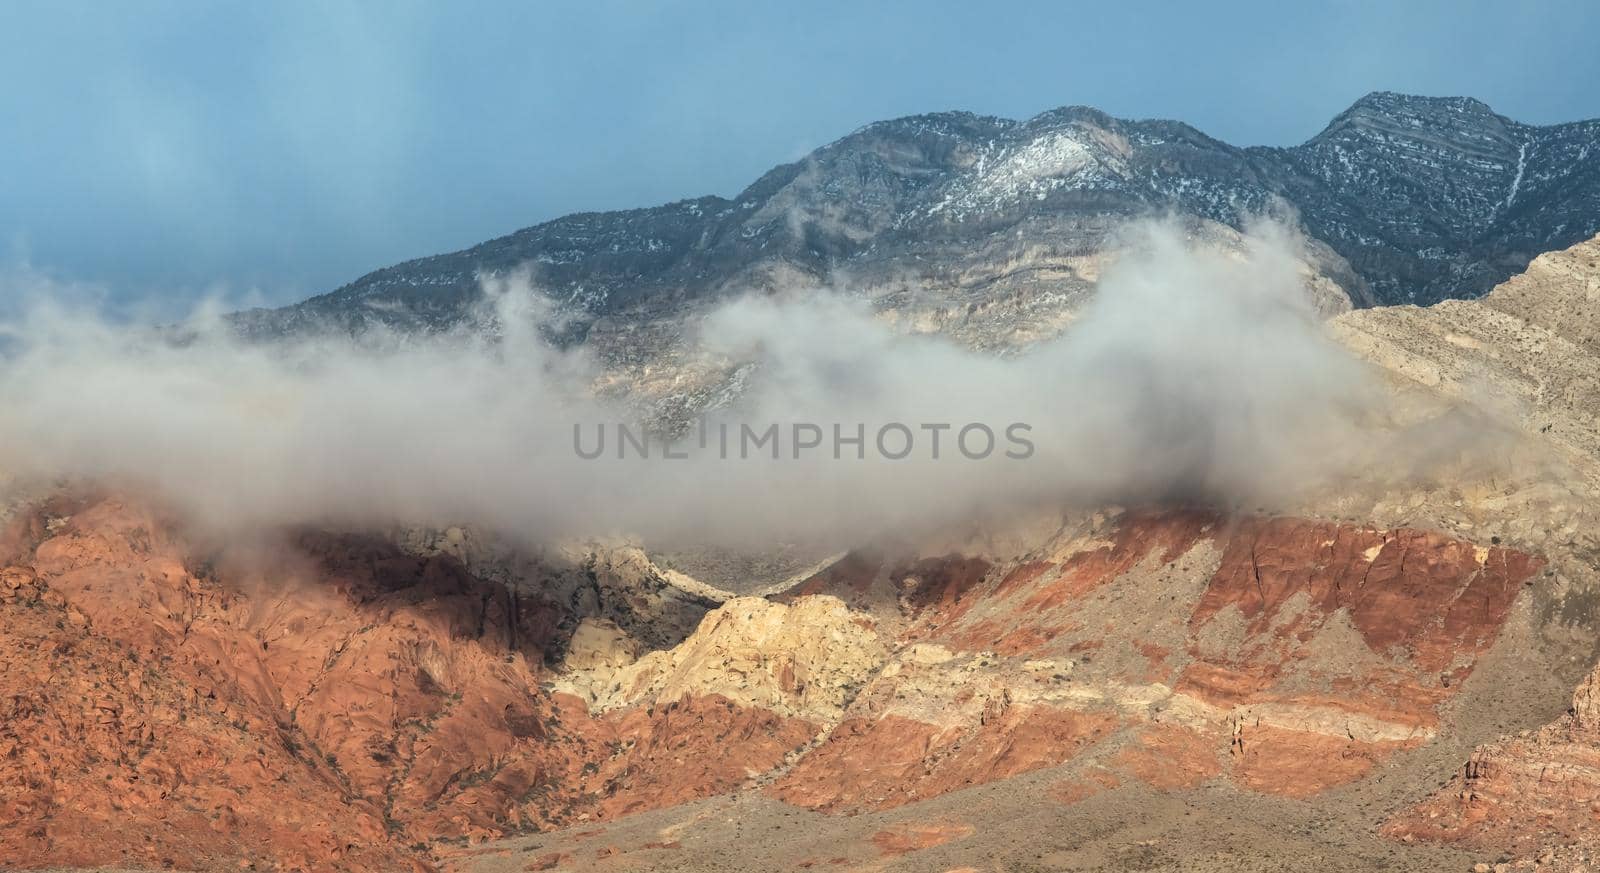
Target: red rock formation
x=892, y=761
x=1167, y=534
x=337, y=703
x=1038, y=596
x=106, y=758
x=849, y=579
x=1524, y=793
x=1436, y=599
x=1170, y=756
x=911, y=837
x=939, y=583
x=680, y=751
x=1303, y=763
x=324, y=709
x=1294, y=655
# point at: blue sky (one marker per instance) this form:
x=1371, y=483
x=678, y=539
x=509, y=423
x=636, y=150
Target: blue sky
x=173, y=149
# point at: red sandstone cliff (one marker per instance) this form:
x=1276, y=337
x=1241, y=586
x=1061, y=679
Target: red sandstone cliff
x=336, y=703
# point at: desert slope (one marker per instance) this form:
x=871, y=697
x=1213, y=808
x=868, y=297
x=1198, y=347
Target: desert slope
x=1529, y=351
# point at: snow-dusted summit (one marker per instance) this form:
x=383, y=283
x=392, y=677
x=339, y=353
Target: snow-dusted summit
x=1415, y=198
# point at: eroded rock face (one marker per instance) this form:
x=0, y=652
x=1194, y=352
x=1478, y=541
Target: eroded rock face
x=1409, y=612
x=1525, y=792
x=106, y=758
x=337, y=702
x=1289, y=655
x=332, y=703
x=649, y=757
x=612, y=583
x=883, y=762
x=394, y=675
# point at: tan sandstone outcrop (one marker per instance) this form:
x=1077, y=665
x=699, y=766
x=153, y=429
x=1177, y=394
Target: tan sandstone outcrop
x=804, y=659
x=1528, y=352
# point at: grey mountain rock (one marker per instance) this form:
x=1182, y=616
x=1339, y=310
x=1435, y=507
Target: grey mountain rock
x=994, y=228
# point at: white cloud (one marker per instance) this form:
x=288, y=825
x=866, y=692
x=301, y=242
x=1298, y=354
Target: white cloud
x=1194, y=374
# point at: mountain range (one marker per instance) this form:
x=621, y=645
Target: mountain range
x=1405, y=199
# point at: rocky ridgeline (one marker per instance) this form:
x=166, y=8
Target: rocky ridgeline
x=992, y=228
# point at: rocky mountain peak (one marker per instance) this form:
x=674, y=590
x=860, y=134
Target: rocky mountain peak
x=1405, y=199
x=1436, y=114
x=1426, y=134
